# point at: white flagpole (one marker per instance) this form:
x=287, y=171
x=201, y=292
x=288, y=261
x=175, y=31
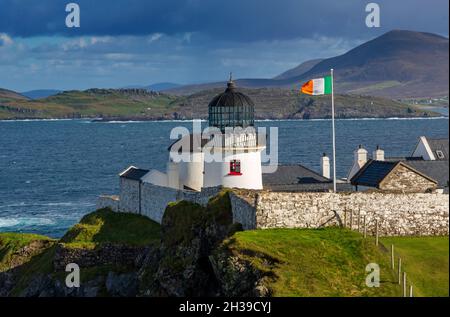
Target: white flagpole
x=334, y=132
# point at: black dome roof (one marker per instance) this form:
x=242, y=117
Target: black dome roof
x=231, y=109
x=231, y=98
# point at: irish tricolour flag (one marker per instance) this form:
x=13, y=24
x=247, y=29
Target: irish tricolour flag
x=318, y=86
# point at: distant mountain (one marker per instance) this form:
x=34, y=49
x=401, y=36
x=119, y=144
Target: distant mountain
x=162, y=86
x=7, y=95
x=40, y=93
x=397, y=64
x=155, y=87
x=300, y=69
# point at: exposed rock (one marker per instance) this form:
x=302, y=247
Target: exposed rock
x=122, y=284
x=6, y=283
x=105, y=254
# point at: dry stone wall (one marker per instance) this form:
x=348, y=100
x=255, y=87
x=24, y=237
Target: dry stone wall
x=397, y=214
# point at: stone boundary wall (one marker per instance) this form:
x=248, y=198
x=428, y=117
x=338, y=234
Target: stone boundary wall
x=243, y=206
x=104, y=201
x=154, y=200
x=107, y=254
x=397, y=214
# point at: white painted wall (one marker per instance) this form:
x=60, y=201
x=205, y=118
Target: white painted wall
x=191, y=173
x=173, y=175
x=216, y=173
x=155, y=177
x=423, y=150
x=360, y=158
x=325, y=166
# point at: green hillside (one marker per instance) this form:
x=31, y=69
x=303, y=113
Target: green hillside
x=314, y=262
x=425, y=261
x=327, y=262
x=139, y=104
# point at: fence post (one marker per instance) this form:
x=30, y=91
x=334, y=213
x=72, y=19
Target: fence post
x=376, y=232
x=359, y=219
x=365, y=228
x=392, y=257
x=410, y=291
x=399, y=271
x=404, y=284
x=351, y=219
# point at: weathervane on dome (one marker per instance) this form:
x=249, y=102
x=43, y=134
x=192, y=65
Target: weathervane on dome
x=230, y=83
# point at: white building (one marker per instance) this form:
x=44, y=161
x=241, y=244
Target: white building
x=230, y=157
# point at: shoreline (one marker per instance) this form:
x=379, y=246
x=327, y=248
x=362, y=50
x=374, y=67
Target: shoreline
x=117, y=120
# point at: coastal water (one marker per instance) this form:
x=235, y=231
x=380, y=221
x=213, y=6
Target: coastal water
x=52, y=171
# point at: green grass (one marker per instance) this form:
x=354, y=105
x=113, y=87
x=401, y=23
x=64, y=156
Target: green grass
x=425, y=261
x=106, y=226
x=94, y=229
x=10, y=243
x=314, y=262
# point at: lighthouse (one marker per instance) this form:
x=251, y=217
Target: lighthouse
x=239, y=166
x=230, y=157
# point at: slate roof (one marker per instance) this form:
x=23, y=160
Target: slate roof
x=439, y=145
x=293, y=174
x=437, y=170
x=231, y=98
x=134, y=173
x=299, y=178
x=373, y=172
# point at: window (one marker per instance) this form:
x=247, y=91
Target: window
x=440, y=154
x=235, y=167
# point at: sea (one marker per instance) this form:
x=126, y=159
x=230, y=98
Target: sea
x=52, y=171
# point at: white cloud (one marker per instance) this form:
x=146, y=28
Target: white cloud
x=154, y=37
x=5, y=39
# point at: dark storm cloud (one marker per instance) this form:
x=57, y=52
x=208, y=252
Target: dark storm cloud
x=234, y=20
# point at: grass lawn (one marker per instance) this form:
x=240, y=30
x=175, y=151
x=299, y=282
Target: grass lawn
x=314, y=262
x=106, y=226
x=425, y=261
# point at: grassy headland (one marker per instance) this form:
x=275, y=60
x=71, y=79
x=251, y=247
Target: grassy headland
x=138, y=104
x=106, y=226
x=293, y=262
x=314, y=262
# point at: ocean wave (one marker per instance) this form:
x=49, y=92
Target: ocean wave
x=25, y=222
x=53, y=204
x=33, y=120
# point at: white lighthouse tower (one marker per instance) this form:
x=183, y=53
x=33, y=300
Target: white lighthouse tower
x=239, y=166
x=231, y=156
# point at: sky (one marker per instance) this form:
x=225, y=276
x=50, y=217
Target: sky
x=140, y=42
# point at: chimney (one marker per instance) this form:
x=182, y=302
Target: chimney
x=378, y=154
x=360, y=158
x=173, y=176
x=325, y=166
